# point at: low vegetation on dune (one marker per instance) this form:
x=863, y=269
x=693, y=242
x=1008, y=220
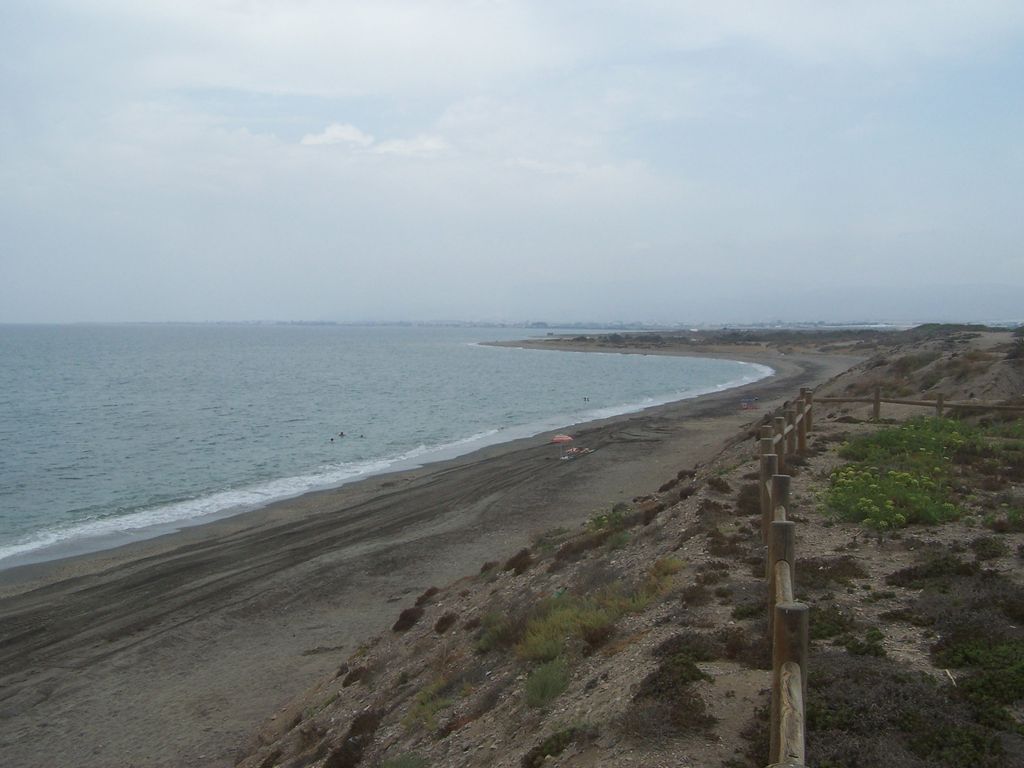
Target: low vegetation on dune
x=641, y=636
x=918, y=473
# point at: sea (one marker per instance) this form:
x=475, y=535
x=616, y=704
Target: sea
x=114, y=433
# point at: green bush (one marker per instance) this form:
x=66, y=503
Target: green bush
x=588, y=618
x=869, y=645
x=546, y=682
x=559, y=618
x=901, y=475
x=919, y=444
x=498, y=630
x=888, y=499
x=995, y=679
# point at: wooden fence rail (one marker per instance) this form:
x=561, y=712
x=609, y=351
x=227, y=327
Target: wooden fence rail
x=787, y=619
x=938, y=403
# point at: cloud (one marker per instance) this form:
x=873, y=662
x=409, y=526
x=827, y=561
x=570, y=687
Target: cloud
x=418, y=146
x=330, y=145
x=338, y=133
x=422, y=145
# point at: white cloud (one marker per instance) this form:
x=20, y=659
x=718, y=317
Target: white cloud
x=421, y=145
x=418, y=146
x=338, y=133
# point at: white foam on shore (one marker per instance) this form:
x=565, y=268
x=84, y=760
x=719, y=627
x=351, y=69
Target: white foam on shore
x=105, y=532
x=61, y=541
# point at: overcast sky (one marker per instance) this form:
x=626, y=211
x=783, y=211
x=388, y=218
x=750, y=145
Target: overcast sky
x=643, y=160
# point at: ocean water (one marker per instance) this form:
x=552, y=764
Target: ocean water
x=114, y=433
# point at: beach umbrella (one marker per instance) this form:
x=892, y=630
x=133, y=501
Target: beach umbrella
x=562, y=440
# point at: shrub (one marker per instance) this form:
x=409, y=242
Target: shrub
x=550, y=539
x=696, y=646
x=934, y=567
x=666, y=703
x=996, y=675
x=360, y=734
x=560, y=618
x=721, y=545
x=888, y=499
x=617, y=540
x=407, y=619
x=591, y=618
x=869, y=645
x=427, y=704
x=828, y=621
x=445, y=623
x=546, y=683
x=748, y=501
x=354, y=676
x=575, y=548
x=519, y=562
x=498, y=630
x=696, y=594
x=554, y=745
x=719, y=484
x=425, y=597
x=1008, y=520
x=907, y=364
x=410, y=760
x=615, y=520
x=821, y=572
x=989, y=548
x=865, y=710
x=687, y=491
x=751, y=609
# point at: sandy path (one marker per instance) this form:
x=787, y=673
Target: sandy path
x=170, y=652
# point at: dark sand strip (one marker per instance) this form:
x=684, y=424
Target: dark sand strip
x=170, y=652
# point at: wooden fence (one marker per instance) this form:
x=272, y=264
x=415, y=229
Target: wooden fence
x=787, y=619
x=939, y=404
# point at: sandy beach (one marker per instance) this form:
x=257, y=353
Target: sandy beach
x=171, y=652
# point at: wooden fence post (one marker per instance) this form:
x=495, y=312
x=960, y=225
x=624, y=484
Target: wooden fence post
x=791, y=426
x=781, y=548
x=780, y=493
x=801, y=429
x=769, y=467
x=808, y=396
x=779, y=423
x=876, y=408
x=789, y=672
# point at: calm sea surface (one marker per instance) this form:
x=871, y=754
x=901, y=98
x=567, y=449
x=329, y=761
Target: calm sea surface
x=113, y=433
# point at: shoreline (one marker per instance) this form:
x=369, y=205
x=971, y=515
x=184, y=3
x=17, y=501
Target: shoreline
x=67, y=545
x=30, y=566
x=149, y=654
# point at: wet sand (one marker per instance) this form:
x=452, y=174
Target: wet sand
x=171, y=652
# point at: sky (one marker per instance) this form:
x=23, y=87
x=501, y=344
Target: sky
x=655, y=161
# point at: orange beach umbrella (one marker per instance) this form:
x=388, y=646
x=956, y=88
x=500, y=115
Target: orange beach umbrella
x=562, y=440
